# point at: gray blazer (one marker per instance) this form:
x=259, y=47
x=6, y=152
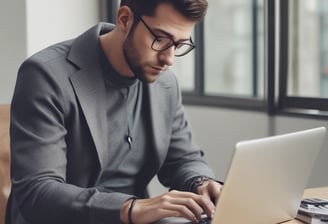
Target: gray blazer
x=59, y=140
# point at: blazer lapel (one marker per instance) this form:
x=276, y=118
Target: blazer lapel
x=90, y=93
x=89, y=87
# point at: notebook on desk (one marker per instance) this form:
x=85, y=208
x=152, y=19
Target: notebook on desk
x=266, y=179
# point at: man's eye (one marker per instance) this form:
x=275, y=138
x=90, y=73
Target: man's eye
x=159, y=40
x=163, y=39
x=180, y=45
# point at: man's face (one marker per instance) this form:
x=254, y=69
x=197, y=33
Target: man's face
x=144, y=62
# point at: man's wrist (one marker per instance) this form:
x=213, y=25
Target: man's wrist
x=133, y=201
x=199, y=181
x=126, y=210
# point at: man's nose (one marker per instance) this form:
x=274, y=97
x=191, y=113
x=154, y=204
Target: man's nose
x=167, y=56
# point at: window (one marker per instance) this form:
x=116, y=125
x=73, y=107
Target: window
x=229, y=56
x=304, y=73
x=308, y=47
x=233, y=42
x=185, y=72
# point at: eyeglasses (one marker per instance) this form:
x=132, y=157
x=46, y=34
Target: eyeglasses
x=162, y=43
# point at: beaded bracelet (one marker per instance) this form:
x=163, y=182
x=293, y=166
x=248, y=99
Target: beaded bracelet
x=130, y=209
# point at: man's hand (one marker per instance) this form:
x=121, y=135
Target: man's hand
x=173, y=204
x=210, y=189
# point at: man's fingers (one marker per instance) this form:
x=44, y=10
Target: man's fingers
x=184, y=205
x=178, y=210
x=173, y=203
x=209, y=209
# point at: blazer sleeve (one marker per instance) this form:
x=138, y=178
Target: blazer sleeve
x=185, y=159
x=40, y=192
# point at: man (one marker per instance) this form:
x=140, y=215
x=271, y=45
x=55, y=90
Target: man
x=95, y=118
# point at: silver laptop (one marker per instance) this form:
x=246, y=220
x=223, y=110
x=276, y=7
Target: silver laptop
x=266, y=179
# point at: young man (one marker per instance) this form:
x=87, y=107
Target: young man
x=94, y=119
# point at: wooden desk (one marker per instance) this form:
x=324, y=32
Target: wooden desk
x=321, y=192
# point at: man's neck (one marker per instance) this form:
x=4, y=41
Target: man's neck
x=112, y=45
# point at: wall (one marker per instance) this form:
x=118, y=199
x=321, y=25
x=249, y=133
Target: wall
x=12, y=44
x=49, y=22
x=27, y=26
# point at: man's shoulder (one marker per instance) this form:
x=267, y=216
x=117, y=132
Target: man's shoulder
x=80, y=43
x=49, y=60
x=55, y=51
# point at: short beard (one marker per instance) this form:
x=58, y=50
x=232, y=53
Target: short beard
x=131, y=56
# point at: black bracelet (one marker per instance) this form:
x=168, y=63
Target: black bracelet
x=130, y=209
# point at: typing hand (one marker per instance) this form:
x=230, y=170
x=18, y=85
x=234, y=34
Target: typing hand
x=171, y=204
x=210, y=189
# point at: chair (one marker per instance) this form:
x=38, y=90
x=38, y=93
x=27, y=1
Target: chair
x=4, y=159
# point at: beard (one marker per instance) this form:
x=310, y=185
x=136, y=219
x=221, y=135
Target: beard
x=133, y=58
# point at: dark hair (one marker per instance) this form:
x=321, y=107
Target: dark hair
x=192, y=9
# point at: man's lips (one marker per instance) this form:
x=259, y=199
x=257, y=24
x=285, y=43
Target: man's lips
x=158, y=69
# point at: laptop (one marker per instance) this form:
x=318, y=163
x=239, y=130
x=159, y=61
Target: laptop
x=266, y=179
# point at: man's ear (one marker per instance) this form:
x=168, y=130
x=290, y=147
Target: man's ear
x=124, y=18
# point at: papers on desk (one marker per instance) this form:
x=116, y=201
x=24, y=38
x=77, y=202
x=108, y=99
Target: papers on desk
x=313, y=211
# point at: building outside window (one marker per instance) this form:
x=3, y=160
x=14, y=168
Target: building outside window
x=308, y=48
x=233, y=57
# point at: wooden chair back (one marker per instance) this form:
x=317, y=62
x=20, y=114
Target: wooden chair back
x=4, y=158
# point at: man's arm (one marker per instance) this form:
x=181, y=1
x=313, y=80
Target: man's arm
x=185, y=160
x=39, y=155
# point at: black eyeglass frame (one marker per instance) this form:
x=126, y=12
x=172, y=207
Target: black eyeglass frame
x=173, y=43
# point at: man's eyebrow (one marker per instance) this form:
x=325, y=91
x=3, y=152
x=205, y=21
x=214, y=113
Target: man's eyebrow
x=167, y=34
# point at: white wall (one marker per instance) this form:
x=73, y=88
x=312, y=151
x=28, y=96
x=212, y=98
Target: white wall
x=12, y=44
x=52, y=21
x=27, y=26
